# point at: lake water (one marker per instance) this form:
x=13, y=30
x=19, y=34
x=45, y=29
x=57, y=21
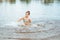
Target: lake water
x=12, y=10
x=45, y=12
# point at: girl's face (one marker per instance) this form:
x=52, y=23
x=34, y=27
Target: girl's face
x=27, y=14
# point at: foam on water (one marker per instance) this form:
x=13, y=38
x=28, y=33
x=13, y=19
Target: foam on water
x=11, y=24
x=33, y=28
x=37, y=30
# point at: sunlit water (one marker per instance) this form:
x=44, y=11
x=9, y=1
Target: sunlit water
x=46, y=14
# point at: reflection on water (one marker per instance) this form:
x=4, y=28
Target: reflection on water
x=25, y=1
x=11, y=1
x=58, y=1
x=47, y=1
x=0, y=1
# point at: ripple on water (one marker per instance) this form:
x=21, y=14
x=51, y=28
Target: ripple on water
x=40, y=30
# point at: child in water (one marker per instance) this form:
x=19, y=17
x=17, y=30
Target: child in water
x=26, y=19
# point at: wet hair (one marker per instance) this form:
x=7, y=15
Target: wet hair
x=28, y=12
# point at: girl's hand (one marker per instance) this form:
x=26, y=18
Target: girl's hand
x=17, y=21
x=20, y=19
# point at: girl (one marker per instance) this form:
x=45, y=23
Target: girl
x=26, y=19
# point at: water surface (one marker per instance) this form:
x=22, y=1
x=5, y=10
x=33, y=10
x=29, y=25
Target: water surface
x=45, y=12
x=11, y=10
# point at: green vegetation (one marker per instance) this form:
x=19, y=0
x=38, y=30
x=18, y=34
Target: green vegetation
x=25, y=1
x=47, y=2
x=1, y=1
x=12, y=1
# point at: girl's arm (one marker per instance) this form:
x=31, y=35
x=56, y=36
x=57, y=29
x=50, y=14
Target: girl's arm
x=20, y=19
